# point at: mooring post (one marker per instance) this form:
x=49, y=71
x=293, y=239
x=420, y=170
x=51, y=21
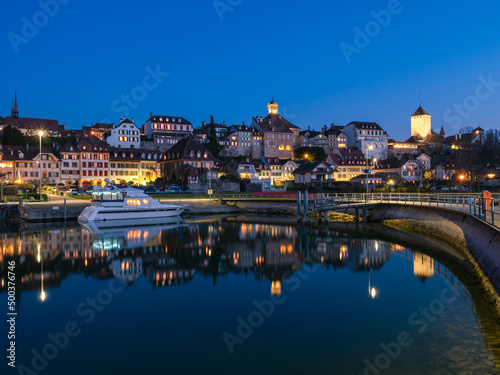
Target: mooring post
x=299, y=197
x=306, y=206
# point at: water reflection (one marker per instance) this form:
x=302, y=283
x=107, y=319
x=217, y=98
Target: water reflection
x=172, y=253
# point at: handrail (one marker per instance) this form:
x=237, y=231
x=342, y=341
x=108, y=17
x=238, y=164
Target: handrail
x=472, y=203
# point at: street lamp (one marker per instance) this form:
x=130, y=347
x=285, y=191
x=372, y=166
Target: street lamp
x=40, y=133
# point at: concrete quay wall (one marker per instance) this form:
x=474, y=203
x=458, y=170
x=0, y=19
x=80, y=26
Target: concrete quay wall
x=478, y=241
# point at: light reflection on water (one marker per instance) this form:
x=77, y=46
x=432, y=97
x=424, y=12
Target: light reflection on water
x=337, y=300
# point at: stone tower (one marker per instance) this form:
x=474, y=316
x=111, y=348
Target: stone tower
x=420, y=124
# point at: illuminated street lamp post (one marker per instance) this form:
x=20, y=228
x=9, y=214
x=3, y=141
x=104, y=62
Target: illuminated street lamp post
x=40, y=133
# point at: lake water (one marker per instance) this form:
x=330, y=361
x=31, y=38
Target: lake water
x=225, y=297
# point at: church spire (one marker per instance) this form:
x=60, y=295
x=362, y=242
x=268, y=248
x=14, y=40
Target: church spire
x=442, y=133
x=15, y=112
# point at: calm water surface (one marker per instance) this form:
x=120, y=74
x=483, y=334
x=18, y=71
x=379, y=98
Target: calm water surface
x=221, y=297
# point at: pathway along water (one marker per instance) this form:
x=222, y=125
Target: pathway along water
x=232, y=296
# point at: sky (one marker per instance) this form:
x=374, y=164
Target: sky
x=324, y=62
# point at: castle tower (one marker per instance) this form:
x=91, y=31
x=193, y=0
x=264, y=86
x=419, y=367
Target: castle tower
x=14, y=113
x=423, y=266
x=273, y=107
x=420, y=124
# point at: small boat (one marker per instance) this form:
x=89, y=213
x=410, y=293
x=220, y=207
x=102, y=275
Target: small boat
x=112, y=203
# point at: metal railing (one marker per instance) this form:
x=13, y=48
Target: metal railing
x=485, y=209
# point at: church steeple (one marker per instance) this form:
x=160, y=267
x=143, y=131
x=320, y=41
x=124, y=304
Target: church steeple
x=15, y=112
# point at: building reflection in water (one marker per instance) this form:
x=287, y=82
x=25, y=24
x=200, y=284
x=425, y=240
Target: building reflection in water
x=173, y=253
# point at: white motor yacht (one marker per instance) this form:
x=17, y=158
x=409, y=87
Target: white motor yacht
x=112, y=203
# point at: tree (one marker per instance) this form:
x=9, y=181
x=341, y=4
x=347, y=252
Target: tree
x=490, y=152
x=12, y=136
x=213, y=143
x=466, y=156
x=310, y=153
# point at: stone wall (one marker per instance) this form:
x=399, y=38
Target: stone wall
x=217, y=186
x=478, y=241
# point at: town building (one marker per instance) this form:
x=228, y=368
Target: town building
x=280, y=136
x=280, y=171
x=190, y=162
x=28, y=164
x=170, y=128
x=238, y=141
x=94, y=161
x=7, y=170
x=313, y=174
x=368, y=137
x=99, y=129
x=337, y=139
x=466, y=140
x=70, y=164
x=411, y=147
x=31, y=126
x=221, y=130
x=347, y=164
x=125, y=135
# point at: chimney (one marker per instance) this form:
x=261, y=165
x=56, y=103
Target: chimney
x=133, y=120
x=150, y=115
x=460, y=135
x=309, y=128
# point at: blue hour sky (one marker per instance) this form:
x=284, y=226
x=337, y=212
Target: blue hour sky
x=324, y=62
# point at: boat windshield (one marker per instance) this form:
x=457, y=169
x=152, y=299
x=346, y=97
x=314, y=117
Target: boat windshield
x=108, y=196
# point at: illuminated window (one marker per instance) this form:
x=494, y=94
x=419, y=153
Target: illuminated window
x=281, y=147
x=133, y=202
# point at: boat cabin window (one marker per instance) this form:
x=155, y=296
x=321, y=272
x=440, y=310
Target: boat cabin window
x=133, y=202
x=107, y=196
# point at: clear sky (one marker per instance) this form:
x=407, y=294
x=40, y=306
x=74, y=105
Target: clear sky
x=78, y=62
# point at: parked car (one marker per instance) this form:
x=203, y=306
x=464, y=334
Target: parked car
x=73, y=192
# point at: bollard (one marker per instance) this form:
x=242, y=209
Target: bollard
x=306, y=206
x=299, y=197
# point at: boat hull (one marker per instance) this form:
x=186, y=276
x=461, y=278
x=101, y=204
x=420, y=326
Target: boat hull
x=101, y=214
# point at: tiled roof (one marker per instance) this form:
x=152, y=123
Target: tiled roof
x=276, y=123
x=102, y=125
x=182, y=150
x=310, y=167
x=419, y=112
x=366, y=125
x=33, y=123
x=68, y=147
x=171, y=119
